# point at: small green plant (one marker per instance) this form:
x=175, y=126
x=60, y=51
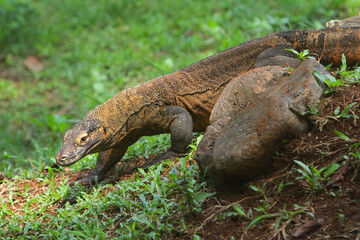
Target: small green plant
x=301, y=55
x=259, y=190
x=239, y=211
x=263, y=207
x=282, y=185
x=280, y=216
x=344, y=113
x=351, y=76
x=342, y=136
x=331, y=82
x=313, y=110
x=313, y=177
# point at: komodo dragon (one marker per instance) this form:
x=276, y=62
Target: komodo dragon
x=181, y=102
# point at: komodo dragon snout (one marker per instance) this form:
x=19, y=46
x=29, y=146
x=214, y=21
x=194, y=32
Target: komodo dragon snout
x=83, y=139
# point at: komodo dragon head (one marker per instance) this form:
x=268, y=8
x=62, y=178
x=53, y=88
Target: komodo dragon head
x=85, y=138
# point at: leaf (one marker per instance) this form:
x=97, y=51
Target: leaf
x=314, y=170
x=309, y=226
x=343, y=63
x=355, y=145
x=259, y=218
x=144, y=220
x=330, y=169
x=142, y=172
x=282, y=185
x=345, y=114
x=342, y=136
x=329, y=79
x=173, y=173
x=202, y=196
x=227, y=214
x=255, y=188
x=75, y=233
x=305, y=52
x=143, y=199
x=196, y=237
x=51, y=173
x=304, y=166
x=293, y=51
x=34, y=64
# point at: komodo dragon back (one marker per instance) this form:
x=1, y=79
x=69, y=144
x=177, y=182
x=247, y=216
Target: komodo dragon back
x=181, y=102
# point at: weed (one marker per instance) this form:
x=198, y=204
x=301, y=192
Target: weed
x=301, y=55
x=280, y=216
x=260, y=190
x=344, y=113
x=331, y=82
x=282, y=185
x=342, y=136
x=313, y=177
x=239, y=211
x=314, y=111
x=350, y=76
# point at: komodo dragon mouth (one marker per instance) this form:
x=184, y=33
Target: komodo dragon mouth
x=64, y=159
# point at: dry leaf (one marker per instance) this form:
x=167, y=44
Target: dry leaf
x=34, y=64
x=309, y=226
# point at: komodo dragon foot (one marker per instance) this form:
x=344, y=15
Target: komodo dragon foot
x=167, y=155
x=87, y=179
x=96, y=176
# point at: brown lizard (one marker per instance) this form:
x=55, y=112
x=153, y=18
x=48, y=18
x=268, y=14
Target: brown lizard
x=181, y=102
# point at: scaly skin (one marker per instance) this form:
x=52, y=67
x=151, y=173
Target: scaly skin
x=181, y=102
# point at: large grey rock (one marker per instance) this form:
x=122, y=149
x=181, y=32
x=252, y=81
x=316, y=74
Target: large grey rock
x=251, y=118
x=247, y=90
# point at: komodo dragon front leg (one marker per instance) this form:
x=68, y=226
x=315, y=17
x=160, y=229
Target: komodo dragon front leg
x=180, y=126
x=105, y=161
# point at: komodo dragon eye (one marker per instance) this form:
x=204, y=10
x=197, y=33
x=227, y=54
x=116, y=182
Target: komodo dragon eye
x=83, y=139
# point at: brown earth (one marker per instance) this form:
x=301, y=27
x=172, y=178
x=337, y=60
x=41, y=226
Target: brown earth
x=336, y=207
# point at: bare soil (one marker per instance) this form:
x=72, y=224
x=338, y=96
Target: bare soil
x=336, y=208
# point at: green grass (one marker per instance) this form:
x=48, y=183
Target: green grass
x=92, y=50
x=146, y=207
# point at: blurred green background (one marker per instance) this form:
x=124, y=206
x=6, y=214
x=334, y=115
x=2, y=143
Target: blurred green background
x=93, y=49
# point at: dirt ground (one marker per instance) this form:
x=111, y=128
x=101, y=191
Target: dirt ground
x=336, y=208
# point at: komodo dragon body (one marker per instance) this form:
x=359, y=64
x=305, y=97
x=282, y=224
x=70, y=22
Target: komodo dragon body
x=181, y=102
